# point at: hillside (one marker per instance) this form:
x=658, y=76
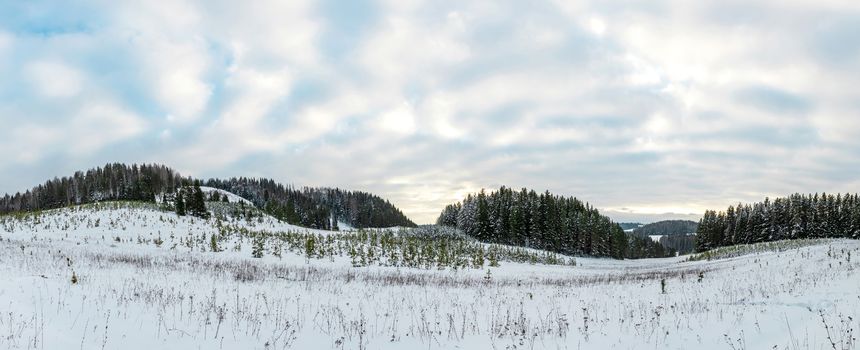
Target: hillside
x=234, y=226
x=131, y=275
x=316, y=207
x=675, y=236
x=629, y=226
x=320, y=208
x=542, y=221
x=565, y=225
x=667, y=228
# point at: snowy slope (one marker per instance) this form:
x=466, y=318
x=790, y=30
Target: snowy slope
x=132, y=294
x=233, y=198
x=137, y=219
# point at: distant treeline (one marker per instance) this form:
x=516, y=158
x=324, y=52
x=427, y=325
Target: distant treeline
x=677, y=235
x=795, y=217
x=309, y=207
x=111, y=182
x=645, y=247
x=667, y=228
x=544, y=221
x=629, y=225
x=318, y=208
x=682, y=244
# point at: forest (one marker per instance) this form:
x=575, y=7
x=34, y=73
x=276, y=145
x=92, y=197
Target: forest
x=319, y=208
x=667, y=228
x=795, y=217
x=310, y=207
x=111, y=182
x=677, y=235
x=559, y=224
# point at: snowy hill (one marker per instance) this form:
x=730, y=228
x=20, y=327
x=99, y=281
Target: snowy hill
x=128, y=275
x=235, y=224
x=232, y=198
x=308, y=207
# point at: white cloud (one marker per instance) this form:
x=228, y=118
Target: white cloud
x=101, y=124
x=402, y=50
x=86, y=130
x=180, y=84
x=169, y=42
x=399, y=120
x=25, y=143
x=438, y=111
x=270, y=32
x=597, y=26
x=310, y=124
x=55, y=79
x=238, y=130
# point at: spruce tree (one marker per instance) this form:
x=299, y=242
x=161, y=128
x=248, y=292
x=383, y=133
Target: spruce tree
x=257, y=246
x=483, y=217
x=180, y=203
x=198, y=204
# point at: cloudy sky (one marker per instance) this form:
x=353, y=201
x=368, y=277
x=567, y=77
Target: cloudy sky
x=639, y=107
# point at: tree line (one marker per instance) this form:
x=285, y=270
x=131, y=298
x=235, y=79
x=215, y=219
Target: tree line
x=111, y=182
x=544, y=221
x=667, y=228
x=678, y=236
x=320, y=208
x=681, y=243
x=795, y=217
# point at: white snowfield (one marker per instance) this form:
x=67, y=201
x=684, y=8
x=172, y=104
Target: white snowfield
x=133, y=294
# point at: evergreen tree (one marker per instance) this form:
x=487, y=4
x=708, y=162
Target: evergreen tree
x=197, y=203
x=257, y=247
x=794, y=217
x=484, y=230
x=180, y=203
x=546, y=221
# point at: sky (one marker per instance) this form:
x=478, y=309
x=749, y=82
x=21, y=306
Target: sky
x=645, y=109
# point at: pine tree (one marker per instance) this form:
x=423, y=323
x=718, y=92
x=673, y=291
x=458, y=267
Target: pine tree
x=484, y=230
x=180, y=203
x=310, y=246
x=516, y=225
x=213, y=243
x=197, y=204
x=729, y=231
x=257, y=247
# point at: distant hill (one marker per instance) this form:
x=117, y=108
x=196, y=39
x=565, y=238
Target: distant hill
x=674, y=235
x=683, y=244
x=667, y=228
x=319, y=208
x=316, y=207
x=629, y=225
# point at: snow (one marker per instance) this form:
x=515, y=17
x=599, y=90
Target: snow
x=233, y=198
x=656, y=238
x=132, y=294
x=343, y=226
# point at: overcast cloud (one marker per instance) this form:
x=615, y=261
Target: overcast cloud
x=640, y=108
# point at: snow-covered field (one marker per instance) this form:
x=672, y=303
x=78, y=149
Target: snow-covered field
x=131, y=294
